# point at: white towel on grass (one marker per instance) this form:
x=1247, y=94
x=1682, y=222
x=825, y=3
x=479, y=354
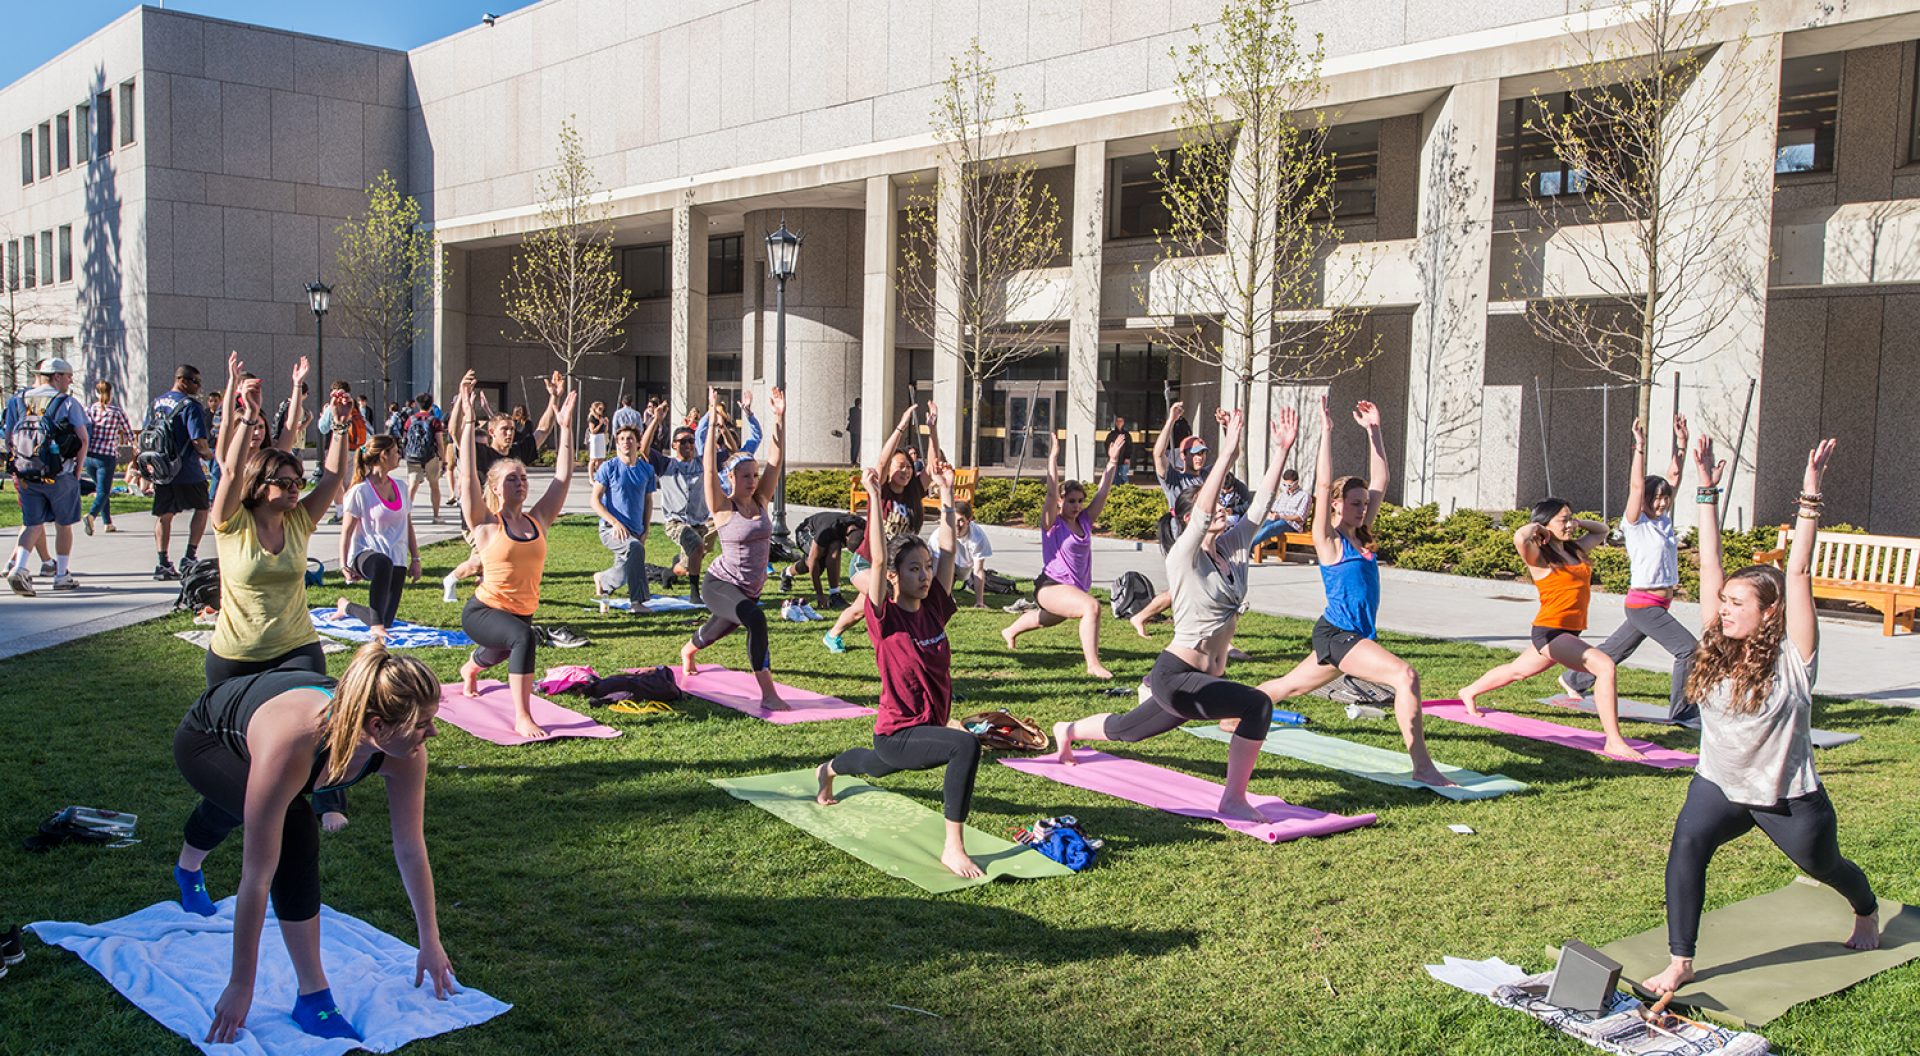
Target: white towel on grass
x=173, y=966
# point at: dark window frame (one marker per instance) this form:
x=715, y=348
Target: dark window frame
x=725, y=275
x=43, y=152
x=62, y=141
x=635, y=258
x=103, y=124
x=1811, y=116
x=126, y=113
x=26, y=158
x=65, y=241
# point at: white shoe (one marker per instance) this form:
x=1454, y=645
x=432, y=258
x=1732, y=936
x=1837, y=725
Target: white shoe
x=48, y=568
x=452, y=585
x=811, y=613
x=791, y=612
x=65, y=582
x=21, y=582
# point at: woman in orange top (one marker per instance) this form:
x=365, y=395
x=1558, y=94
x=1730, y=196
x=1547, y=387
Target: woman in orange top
x=511, y=545
x=1554, y=546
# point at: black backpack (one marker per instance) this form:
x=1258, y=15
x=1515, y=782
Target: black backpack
x=1131, y=592
x=417, y=445
x=200, y=586
x=49, y=440
x=161, y=456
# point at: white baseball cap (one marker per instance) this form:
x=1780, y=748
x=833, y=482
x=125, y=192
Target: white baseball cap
x=54, y=365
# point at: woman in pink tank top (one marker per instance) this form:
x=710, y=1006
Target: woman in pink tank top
x=1066, y=550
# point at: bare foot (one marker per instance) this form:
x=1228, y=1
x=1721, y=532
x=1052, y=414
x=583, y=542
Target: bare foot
x=1139, y=625
x=824, y=774
x=1098, y=671
x=1678, y=974
x=1229, y=725
x=1238, y=808
x=1007, y=636
x=1620, y=749
x=598, y=590
x=1062, y=736
x=526, y=727
x=377, y=631
x=333, y=821
x=340, y=610
x=773, y=703
x=1431, y=775
x=959, y=864
x=470, y=678
x=1866, y=934
x=687, y=666
x=1473, y=708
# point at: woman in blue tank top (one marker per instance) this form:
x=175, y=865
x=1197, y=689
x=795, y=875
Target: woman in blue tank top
x=1343, y=638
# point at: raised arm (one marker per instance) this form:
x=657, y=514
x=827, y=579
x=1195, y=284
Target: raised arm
x=893, y=439
x=1595, y=534
x=1050, y=505
x=1208, y=494
x=1679, y=464
x=1378, y=475
x=654, y=416
x=1114, y=446
x=1529, y=540
x=1802, y=627
x=339, y=458
x=1160, y=443
x=944, y=538
x=935, y=456
x=471, y=501
x=717, y=500
x=1285, y=428
x=548, y=509
x=556, y=391
x=1713, y=573
x=295, y=424
x=750, y=434
x=1637, y=476
x=776, y=448
x=876, y=542
x=1326, y=530
x=234, y=410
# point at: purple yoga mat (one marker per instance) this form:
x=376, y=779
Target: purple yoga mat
x=490, y=715
x=739, y=691
x=1184, y=794
x=1554, y=733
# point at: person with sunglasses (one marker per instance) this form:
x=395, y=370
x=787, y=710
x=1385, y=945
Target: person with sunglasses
x=262, y=526
x=680, y=477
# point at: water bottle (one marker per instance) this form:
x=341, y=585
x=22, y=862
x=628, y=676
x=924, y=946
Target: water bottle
x=1289, y=718
x=1364, y=711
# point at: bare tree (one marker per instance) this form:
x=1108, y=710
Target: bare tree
x=564, y=290
x=1645, y=146
x=21, y=314
x=972, y=263
x=1249, y=191
x=385, y=266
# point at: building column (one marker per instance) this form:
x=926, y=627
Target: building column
x=441, y=358
x=949, y=380
x=1448, y=454
x=687, y=351
x=1083, y=320
x=1716, y=373
x=879, y=364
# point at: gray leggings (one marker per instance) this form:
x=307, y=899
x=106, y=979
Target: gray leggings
x=1658, y=624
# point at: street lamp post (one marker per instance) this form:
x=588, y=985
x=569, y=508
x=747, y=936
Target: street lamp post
x=319, y=297
x=783, y=260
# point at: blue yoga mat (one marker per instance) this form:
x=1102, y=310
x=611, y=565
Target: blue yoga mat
x=402, y=635
x=657, y=603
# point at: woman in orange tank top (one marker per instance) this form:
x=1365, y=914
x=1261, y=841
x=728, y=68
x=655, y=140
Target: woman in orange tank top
x=511, y=546
x=1554, y=546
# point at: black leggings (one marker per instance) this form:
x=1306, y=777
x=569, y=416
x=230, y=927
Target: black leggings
x=1804, y=827
x=921, y=748
x=220, y=777
x=499, y=636
x=1182, y=692
x=309, y=657
x=733, y=608
x=385, y=582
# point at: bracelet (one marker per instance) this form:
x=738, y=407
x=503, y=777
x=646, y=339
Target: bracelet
x=1705, y=492
x=1809, y=496
x=1704, y=499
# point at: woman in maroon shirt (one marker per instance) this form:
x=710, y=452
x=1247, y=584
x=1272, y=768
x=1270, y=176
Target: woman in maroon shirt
x=909, y=598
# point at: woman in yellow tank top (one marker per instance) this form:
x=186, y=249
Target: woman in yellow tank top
x=1554, y=546
x=511, y=545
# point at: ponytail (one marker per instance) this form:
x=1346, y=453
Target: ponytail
x=368, y=457
x=397, y=690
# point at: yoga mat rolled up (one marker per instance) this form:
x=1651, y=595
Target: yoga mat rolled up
x=1374, y=764
x=1636, y=711
x=740, y=691
x=1554, y=733
x=886, y=830
x=1763, y=955
x=490, y=715
x=1186, y=795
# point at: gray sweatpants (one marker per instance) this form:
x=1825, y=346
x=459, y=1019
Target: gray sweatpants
x=629, y=568
x=1658, y=624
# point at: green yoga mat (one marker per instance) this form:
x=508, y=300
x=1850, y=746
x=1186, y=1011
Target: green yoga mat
x=1363, y=760
x=1760, y=957
x=886, y=830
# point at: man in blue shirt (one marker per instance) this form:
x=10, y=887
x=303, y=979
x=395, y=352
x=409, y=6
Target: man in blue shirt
x=46, y=493
x=192, y=427
x=623, y=497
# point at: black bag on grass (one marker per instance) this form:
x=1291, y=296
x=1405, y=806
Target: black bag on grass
x=200, y=586
x=1131, y=592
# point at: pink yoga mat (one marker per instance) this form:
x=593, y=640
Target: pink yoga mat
x=490, y=715
x=1184, y=794
x=739, y=691
x=1554, y=733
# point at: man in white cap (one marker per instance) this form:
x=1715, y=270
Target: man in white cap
x=44, y=431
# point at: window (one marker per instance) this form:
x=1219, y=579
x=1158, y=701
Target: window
x=82, y=131
x=26, y=263
x=1356, y=168
x=103, y=124
x=63, y=142
x=46, y=258
x=644, y=270
x=12, y=252
x=26, y=158
x=66, y=252
x=1526, y=165
x=126, y=113
x=1132, y=380
x=46, y=149
x=1139, y=208
x=724, y=272
x=1809, y=103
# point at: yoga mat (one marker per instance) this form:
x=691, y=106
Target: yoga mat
x=886, y=830
x=402, y=635
x=1364, y=760
x=1636, y=711
x=657, y=603
x=1759, y=957
x=1184, y=794
x=1554, y=733
x=204, y=639
x=739, y=691
x=173, y=966
x=490, y=715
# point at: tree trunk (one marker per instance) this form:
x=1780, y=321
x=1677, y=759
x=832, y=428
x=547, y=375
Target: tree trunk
x=973, y=423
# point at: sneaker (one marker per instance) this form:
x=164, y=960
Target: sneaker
x=110, y=529
x=333, y=518
x=786, y=582
x=1020, y=605
x=452, y=585
x=187, y=563
x=790, y=612
x=1567, y=686
x=48, y=568
x=564, y=637
x=11, y=951
x=87, y=523
x=21, y=582
x=807, y=611
x=833, y=643
x=165, y=571
x=65, y=582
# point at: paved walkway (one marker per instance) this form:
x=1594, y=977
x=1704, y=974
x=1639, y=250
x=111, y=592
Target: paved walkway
x=1856, y=661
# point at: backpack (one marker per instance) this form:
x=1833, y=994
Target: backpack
x=200, y=586
x=42, y=444
x=161, y=456
x=1131, y=592
x=641, y=683
x=1001, y=730
x=417, y=445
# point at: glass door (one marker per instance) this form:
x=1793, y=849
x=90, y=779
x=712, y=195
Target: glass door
x=1031, y=414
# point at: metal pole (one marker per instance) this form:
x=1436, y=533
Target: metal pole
x=1606, y=447
x=324, y=387
x=1733, y=467
x=1540, y=412
x=779, y=382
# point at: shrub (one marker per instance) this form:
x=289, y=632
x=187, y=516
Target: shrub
x=1426, y=557
x=1491, y=558
x=1466, y=526
x=820, y=487
x=1513, y=519
x=1131, y=512
x=1610, y=569
x=1399, y=528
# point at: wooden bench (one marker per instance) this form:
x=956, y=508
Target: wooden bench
x=963, y=485
x=1879, y=571
x=1276, y=547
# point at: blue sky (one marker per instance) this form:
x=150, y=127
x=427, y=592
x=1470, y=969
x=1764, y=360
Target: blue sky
x=41, y=29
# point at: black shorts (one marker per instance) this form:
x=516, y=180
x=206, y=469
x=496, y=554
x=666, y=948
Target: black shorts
x=180, y=498
x=1040, y=582
x=1544, y=636
x=1331, y=644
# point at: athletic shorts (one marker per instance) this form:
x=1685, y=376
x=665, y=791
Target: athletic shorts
x=1544, y=636
x=1331, y=644
x=688, y=537
x=58, y=502
x=180, y=497
x=423, y=471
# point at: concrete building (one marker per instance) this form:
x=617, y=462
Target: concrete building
x=201, y=207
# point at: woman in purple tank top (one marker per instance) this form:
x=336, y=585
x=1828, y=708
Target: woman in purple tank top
x=1066, y=551
x=738, y=494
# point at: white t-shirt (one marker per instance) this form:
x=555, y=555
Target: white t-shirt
x=1653, y=551
x=1762, y=758
x=972, y=549
x=382, y=528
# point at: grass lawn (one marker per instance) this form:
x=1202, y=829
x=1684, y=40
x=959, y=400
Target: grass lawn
x=10, y=506
x=625, y=905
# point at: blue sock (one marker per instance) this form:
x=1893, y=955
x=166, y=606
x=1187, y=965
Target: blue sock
x=193, y=892
x=319, y=1016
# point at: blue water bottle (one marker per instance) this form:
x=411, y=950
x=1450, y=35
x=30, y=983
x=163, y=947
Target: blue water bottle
x=1289, y=718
